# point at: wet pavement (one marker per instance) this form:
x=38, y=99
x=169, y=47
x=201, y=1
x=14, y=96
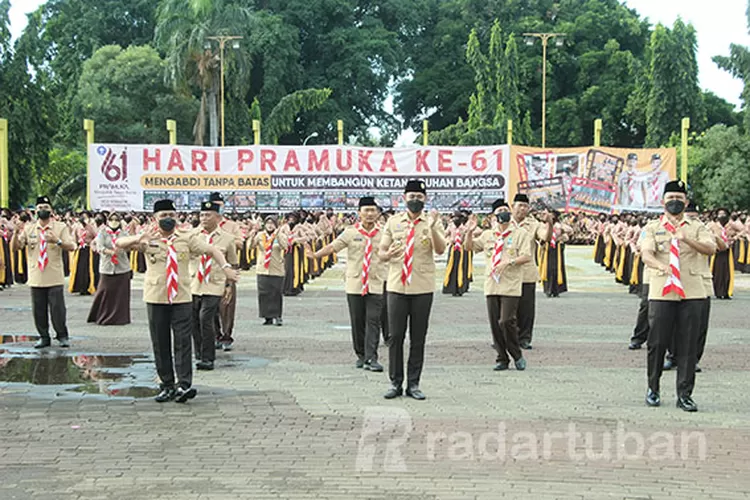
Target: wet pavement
x=286, y=415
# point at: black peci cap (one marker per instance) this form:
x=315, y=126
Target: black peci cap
x=209, y=206
x=521, y=197
x=500, y=202
x=415, y=186
x=43, y=200
x=164, y=205
x=675, y=187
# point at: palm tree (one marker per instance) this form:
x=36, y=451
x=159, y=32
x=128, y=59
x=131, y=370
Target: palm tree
x=181, y=32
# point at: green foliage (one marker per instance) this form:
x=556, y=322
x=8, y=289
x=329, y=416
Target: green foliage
x=282, y=117
x=718, y=171
x=123, y=91
x=64, y=179
x=675, y=92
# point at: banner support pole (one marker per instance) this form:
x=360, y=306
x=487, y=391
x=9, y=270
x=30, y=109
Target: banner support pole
x=684, y=163
x=88, y=126
x=425, y=133
x=340, y=127
x=4, y=169
x=256, y=132
x=172, y=129
x=509, y=139
x=598, y=133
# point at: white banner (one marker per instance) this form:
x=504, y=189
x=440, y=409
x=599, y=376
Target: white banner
x=127, y=177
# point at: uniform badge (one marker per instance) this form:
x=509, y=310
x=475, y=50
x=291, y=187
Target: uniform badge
x=426, y=242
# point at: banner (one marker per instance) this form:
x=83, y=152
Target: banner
x=594, y=180
x=127, y=177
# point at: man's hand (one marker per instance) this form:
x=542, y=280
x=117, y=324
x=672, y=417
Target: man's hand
x=228, y=294
x=395, y=250
x=150, y=234
x=433, y=218
x=231, y=274
x=472, y=224
x=51, y=237
x=500, y=269
x=19, y=226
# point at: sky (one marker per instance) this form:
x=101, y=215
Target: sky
x=718, y=23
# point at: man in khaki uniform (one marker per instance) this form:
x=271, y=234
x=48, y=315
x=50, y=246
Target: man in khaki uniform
x=45, y=241
x=409, y=244
x=540, y=232
x=507, y=248
x=166, y=291
x=209, y=285
x=673, y=247
x=364, y=282
x=271, y=244
x=227, y=308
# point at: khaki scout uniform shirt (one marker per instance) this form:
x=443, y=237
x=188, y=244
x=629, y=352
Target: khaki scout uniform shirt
x=517, y=244
x=106, y=266
x=231, y=227
x=187, y=244
x=216, y=281
x=354, y=242
x=423, y=267
x=279, y=246
x=537, y=231
x=658, y=240
x=53, y=273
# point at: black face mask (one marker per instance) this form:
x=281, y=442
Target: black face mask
x=415, y=206
x=141, y=221
x=292, y=223
x=25, y=218
x=458, y=221
x=43, y=214
x=167, y=224
x=195, y=222
x=642, y=223
x=310, y=220
x=99, y=221
x=127, y=219
x=743, y=218
x=503, y=217
x=675, y=207
x=723, y=219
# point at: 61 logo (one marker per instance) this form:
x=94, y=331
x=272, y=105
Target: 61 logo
x=110, y=168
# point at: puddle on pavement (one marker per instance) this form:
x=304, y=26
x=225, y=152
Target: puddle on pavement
x=105, y=374
x=63, y=371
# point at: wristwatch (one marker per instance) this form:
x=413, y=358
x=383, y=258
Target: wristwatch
x=59, y=242
x=512, y=262
x=227, y=266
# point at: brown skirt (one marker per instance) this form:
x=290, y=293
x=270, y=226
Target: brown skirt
x=111, y=304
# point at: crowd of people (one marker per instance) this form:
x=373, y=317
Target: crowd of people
x=192, y=261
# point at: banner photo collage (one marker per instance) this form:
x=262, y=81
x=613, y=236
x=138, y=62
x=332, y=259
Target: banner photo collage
x=594, y=180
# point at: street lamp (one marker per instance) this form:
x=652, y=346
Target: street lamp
x=235, y=45
x=314, y=134
x=544, y=37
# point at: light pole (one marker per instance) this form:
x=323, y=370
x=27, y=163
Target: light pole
x=314, y=134
x=235, y=45
x=544, y=37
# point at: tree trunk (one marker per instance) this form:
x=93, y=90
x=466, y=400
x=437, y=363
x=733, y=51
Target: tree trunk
x=213, y=114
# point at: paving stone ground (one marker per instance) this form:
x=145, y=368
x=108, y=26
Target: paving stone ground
x=286, y=414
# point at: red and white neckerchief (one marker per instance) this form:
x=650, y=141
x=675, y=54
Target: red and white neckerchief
x=673, y=283
x=406, y=269
x=82, y=239
x=553, y=238
x=290, y=243
x=113, y=235
x=367, y=259
x=172, y=268
x=43, y=257
x=457, y=240
x=6, y=234
x=656, y=189
x=268, y=247
x=204, y=268
x=724, y=235
x=631, y=186
x=497, y=255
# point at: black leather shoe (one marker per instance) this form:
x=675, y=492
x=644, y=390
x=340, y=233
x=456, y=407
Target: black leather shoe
x=520, y=364
x=205, y=365
x=686, y=403
x=42, y=344
x=374, y=366
x=227, y=346
x=500, y=367
x=415, y=393
x=698, y=369
x=64, y=342
x=634, y=346
x=652, y=398
x=166, y=394
x=526, y=345
x=668, y=364
x=182, y=395
x=268, y=322
x=393, y=392
x=218, y=345
x=360, y=363
x=279, y=322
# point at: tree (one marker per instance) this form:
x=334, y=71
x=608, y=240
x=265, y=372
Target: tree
x=64, y=179
x=124, y=92
x=182, y=31
x=738, y=64
x=28, y=108
x=282, y=117
x=718, y=170
x=674, y=93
